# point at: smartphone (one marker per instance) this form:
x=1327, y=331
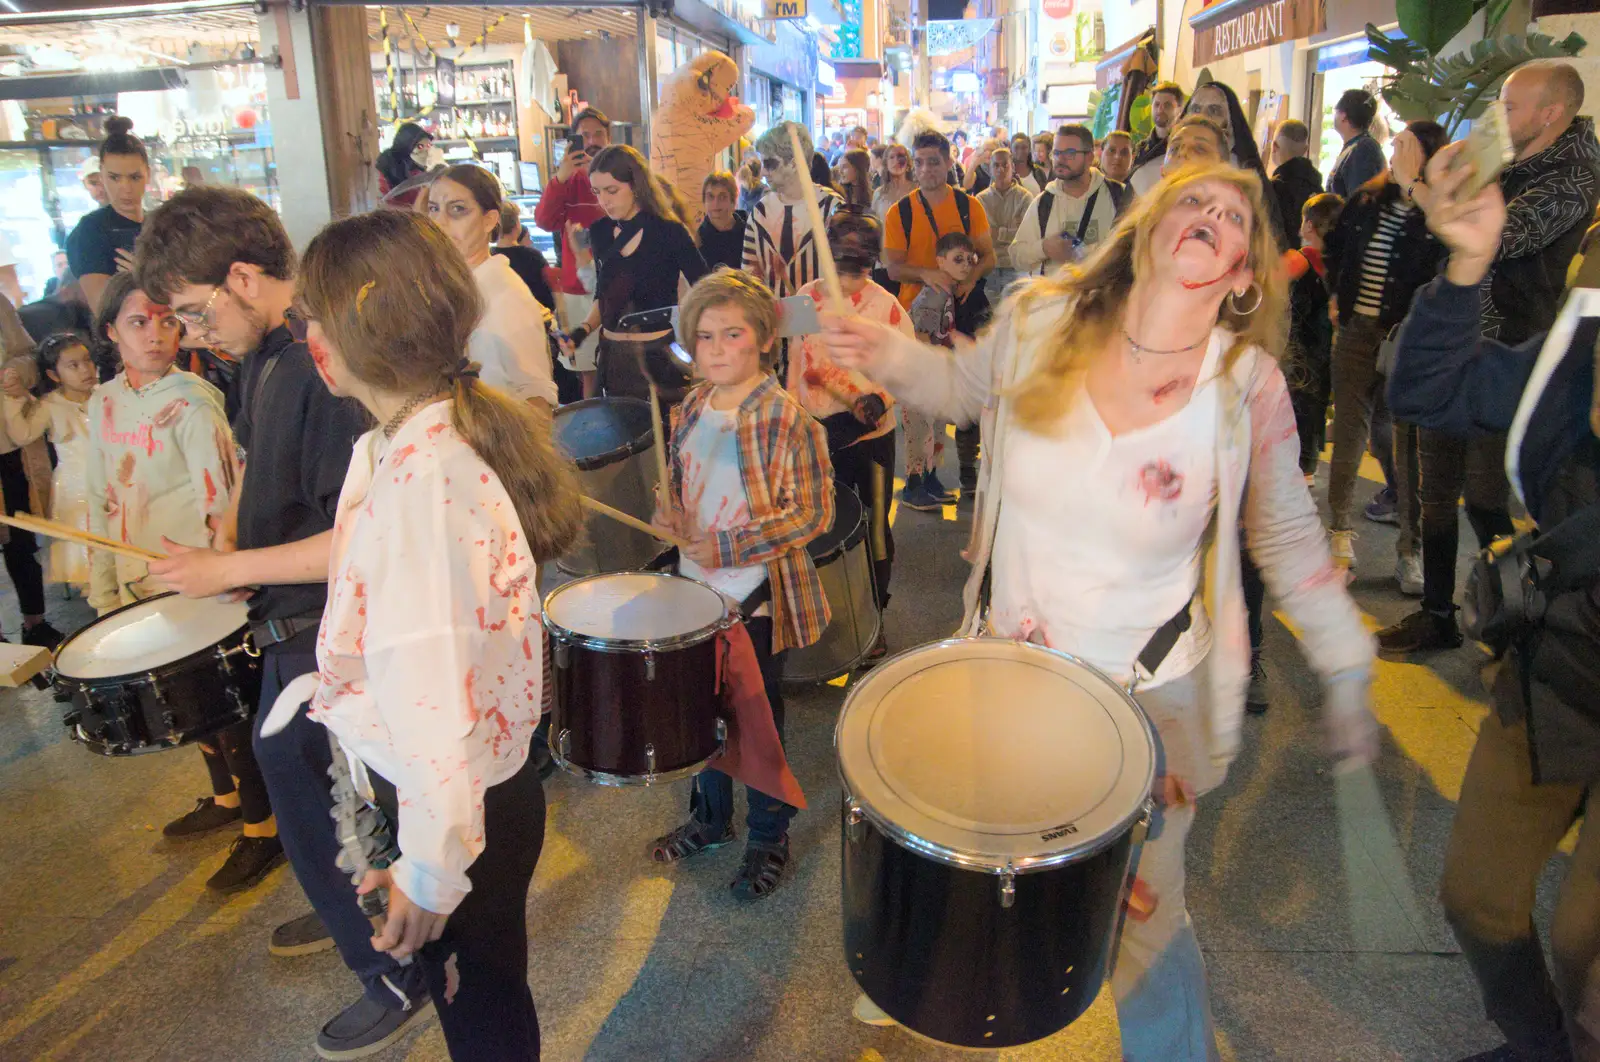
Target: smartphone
x=1488, y=149
x=576, y=149
x=797, y=316
x=580, y=239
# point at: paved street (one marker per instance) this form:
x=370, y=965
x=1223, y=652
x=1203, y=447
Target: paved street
x=1314, y=898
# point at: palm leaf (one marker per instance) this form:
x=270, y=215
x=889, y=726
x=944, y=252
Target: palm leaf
x=1433, y=23
x=1397, y=53
x=1474, y=84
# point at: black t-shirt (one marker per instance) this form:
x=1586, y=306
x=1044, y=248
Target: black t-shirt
x=94, y=243
x=647, y=279
x=529, y=264
x=297, y=440
x=723, y=248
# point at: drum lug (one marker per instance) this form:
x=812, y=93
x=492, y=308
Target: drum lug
x=564, y=744
x=1008, y=889
x=855, y=824
x=155, y=686
x=561, y=652
x=722, y=735
x=169, y=719
x=649, y=764
x=650, y=665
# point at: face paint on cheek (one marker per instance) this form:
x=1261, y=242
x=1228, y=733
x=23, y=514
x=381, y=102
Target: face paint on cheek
x=319, y=357
x=1195, y=285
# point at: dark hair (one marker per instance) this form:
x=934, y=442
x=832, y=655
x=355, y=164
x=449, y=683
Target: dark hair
x=1322, y=211
x=1431, y=136
x=959, y=133
x=395, y=161
x=49, y=355
x=655, y=195
x=119, y=289
x=1359, y=108
x=821, y=172
x=931, y=138
x=860, y=193
x=1170, y=88
x=482, y=185
x=857, y=232
x=121, y=141
x=510, y=219
x=720, y=179
x=590, y=112
x=361, y=280
x=953, y=241
x=1082, y=133
x=196, y=237
x=1245, y=152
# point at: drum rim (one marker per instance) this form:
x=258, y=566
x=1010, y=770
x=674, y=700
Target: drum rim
x=963, y=860
x=639, y=445
x=130, y=676
x=598, y=643
x=850, y=541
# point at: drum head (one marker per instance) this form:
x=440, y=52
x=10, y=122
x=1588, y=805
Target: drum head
x=598, y=431
x=636, y=607
x=147, y=635
x=848, y=527
x=988, y=753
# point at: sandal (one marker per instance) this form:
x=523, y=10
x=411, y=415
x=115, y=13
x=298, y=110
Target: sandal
x=689, y=839
x=762, y=869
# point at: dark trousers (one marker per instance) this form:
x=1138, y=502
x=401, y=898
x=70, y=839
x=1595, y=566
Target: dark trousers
x=477, y=970
x=21, y=550
x=1506, y=829
x=867, y=468
x=1359, y=414
x=1452, y=466
x=711, y=798
x=1309, y=391
x=1255, y=599
x=295, y=764
x=231, y=762
x=968, y=440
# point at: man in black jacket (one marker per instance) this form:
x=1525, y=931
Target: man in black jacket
x=1534, y=769
x=1294, y=178
x=1166, y=105
x=1550, y=192
x=1361, y=159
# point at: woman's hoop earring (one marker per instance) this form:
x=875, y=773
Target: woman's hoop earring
x=1233, y=301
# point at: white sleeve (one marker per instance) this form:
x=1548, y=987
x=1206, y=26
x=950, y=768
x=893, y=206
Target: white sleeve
x=510, y=344
x=434, y=634
x=1027, y=246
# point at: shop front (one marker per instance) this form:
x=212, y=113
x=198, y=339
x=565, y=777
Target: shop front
x=193, y=83
x=781, y=78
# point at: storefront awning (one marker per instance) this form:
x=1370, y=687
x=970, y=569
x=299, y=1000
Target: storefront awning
x=1232, y=27
x=36, y=12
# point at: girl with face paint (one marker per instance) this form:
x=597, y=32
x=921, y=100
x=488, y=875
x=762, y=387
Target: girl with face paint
x=1133, y=421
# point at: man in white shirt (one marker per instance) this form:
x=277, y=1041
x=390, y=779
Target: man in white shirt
x=1006, y=202
x=1075, y=211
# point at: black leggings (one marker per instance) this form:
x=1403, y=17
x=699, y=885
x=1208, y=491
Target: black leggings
x=232, y=764
x=478, y=970
x=868, y=469
x=21, y=550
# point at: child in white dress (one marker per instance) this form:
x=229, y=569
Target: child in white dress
x=61, y=415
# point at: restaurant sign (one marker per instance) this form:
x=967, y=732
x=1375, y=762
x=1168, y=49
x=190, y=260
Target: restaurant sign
x=1235, y=26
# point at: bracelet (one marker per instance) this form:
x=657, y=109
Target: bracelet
x=579, y=334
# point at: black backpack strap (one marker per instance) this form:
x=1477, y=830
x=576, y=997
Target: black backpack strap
x=1047, y=200
x=904, y=207
x=964, y=209
x=1088, y=214
x=1119, y=195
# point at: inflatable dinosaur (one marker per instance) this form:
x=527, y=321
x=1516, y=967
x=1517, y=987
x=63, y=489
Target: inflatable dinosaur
x=699, y=115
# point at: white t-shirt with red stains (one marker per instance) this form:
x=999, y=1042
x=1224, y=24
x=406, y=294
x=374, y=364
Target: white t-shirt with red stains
x=825, y=388
x=714, y=495
x=1137, y=504
x=429, y=653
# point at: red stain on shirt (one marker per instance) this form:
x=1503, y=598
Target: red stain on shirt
x=527, y=649
x=894, y=315
x=108, y=415
x=434, y=430
x=401, y=454
x=1160, y=483
x=125, y=470
x=211, y=489
x=168, y=414
x=485, y=625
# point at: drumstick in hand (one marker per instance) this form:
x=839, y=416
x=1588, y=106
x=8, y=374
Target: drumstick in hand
x=819, y=230
x=630, y=521
x=82, y=538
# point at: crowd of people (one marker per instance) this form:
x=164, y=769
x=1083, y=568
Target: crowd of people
x=1136, y=343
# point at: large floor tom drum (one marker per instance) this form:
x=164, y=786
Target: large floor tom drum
x=994, y=794
x=611, y=441
x=844, y=564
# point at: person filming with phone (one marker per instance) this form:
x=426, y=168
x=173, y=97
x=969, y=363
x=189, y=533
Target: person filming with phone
x=1534, y=770
x=567, y=201
x=1550, y=189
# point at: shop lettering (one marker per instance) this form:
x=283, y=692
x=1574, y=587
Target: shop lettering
x=786, y=9
x=214, y=127
x=1218, y=34
x=1064, y=830
x=1250, y=30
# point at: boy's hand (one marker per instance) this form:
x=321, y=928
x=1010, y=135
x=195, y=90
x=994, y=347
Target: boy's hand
x=702, y=549
x=869, y=409
x=936, y=278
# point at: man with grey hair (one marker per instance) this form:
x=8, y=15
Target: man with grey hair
x=1294, y=178
x=780, y=249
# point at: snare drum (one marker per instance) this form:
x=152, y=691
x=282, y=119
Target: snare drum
x=845, y=567
x=155, y=674
x=994, y=795
x=611, y=441
x=636, y=676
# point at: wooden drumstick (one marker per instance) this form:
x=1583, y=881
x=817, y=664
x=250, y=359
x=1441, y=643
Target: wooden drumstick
x=819, y=230
x=661, y=438
x=631, y=521
x=71, y=534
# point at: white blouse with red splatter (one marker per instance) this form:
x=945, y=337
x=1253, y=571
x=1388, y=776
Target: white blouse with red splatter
x=1137, y=506
x=429, y=650
x=826, y=388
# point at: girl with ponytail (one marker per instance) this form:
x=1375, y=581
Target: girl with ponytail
x=430, y=648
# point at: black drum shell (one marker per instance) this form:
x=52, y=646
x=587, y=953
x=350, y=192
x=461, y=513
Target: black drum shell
x=608, y=707
x=933, y=946
x=126, y=715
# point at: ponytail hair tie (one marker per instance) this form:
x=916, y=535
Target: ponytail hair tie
x=466, y=369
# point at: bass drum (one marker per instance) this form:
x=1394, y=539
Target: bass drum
x=994, y=796
x=611, y=442
x=159, y=673
x=844, y=565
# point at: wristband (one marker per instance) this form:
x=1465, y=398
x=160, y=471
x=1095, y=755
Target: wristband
x=579, y=334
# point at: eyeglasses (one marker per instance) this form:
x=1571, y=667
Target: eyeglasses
x=1070, y=153
x=201, y=319
x=298, y=324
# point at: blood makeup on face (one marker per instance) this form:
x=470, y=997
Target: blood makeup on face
x=318, y=349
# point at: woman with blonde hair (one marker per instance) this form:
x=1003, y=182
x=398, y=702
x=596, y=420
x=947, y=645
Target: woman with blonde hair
x=1133, y=419
x=430, y=669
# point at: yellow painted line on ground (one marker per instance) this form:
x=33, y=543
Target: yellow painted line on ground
x=894, y=500
x=1369, y=470
x=842, y=681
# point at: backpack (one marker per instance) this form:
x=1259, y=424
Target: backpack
x=963, y=209
x=1119, y=200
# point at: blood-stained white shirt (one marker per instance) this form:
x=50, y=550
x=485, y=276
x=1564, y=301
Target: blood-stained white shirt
x=429, y=651
x=714, y=494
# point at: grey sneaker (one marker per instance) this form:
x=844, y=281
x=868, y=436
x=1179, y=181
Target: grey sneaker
x=1256, y=700
x=305, y=935
x=365, y=1028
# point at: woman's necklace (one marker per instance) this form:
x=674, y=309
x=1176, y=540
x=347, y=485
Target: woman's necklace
x=1139, y=350
x=403, y=414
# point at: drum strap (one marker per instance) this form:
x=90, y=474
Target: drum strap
x=1162, y=641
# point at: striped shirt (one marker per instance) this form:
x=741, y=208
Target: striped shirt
x=1377, y=258
x=788, y=480
x=778, y=246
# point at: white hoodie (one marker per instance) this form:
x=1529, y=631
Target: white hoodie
x=162, y=460
x=1066, y=210
x=510, y=341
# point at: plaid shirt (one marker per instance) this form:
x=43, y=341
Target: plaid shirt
x=784, y=466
